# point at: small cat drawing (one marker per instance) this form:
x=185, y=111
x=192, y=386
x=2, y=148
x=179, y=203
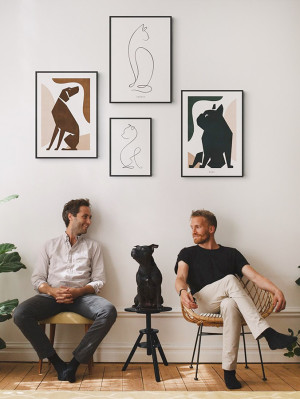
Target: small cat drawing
x=129, y=152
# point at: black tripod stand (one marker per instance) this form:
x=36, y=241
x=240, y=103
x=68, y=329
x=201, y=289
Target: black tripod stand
x=152, y=341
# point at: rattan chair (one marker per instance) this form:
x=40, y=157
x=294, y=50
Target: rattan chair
x=263, y=301
x=65, y=318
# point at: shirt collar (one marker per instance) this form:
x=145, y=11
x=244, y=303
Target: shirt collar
x=67, y=239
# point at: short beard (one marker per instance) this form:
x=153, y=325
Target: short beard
x=198, y=240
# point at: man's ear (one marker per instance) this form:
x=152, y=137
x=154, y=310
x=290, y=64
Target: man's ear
x=70, y=216
x=211, y=229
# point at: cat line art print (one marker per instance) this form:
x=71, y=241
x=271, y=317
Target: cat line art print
x=130, y=152
x=141, y=60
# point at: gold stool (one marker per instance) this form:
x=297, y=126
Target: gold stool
x=65, y=318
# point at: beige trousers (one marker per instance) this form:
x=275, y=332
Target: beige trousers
x=228, y=297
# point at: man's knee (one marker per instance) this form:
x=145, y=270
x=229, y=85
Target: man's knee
x=228, y=305
x=109, y=312
x=230, y=278
x=19, y=315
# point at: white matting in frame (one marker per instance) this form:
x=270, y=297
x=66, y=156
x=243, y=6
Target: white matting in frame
x=211, y=133
x=140, y=59
x=66, y=114
x=130, y=146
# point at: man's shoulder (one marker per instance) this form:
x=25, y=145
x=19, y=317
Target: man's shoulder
x=90, y=242
x=54, y=240
x=189, y=250
x=227, y=249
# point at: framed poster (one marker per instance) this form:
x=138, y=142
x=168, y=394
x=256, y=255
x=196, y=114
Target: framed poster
x=211, y=133
x=66, y=114
x=130, y=147
x=140, y=60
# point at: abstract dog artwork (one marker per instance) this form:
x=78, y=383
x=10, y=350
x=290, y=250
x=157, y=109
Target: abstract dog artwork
x=148, y=278
x=65, y=121
x=216, y=140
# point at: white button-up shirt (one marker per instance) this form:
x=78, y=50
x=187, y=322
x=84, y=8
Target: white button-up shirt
x=60, y=264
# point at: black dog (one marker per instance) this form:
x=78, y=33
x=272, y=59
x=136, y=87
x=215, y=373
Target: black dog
x=148, y=278
x=65, y=121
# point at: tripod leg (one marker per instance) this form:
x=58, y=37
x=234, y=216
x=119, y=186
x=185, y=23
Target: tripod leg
x=132, y=352
x=159, y=347
x=155, y=364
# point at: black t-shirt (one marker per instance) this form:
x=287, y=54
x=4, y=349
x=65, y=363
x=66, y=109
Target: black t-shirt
x=209, y=265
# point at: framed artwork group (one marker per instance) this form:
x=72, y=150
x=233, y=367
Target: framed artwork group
x=140, y=72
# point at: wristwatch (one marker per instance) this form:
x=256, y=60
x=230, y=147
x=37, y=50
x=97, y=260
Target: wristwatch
x=182, y=289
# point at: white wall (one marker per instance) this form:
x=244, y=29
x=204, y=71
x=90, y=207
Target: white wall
x=217, y=45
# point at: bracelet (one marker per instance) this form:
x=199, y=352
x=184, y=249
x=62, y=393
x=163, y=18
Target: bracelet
x=182, y=289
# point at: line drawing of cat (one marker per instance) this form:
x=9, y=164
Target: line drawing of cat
x=141, y=60
x=129, y=153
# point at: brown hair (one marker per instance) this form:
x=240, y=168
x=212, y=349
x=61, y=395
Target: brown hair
x=209, y=216
x=73, y=207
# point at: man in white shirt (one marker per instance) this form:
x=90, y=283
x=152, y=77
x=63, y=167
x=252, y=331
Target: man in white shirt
x=68, y=277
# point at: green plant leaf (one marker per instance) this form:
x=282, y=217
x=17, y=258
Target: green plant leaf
x=297, y=351
x=289, y=354
x=10, y=197
x=10, y=262
x=298, y=281
x=291, y=347
x=2, y=344
x=6, y=309
x=6, y=248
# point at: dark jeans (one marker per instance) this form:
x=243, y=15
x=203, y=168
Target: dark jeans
x=39, y=307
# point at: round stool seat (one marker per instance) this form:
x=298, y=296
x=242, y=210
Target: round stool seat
x=67, y=318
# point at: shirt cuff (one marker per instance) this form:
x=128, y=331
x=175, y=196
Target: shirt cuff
x=97, y=285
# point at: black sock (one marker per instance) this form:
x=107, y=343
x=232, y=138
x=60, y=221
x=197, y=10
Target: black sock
x=277, y=340
x=71, y=370
x=230, y=380
x=59, y=365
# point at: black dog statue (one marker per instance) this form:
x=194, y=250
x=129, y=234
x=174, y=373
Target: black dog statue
x=148, y=278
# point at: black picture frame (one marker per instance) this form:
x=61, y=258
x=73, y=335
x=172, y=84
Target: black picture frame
x=66, y=114
x=130, y=147
x=140, y=57
x=212, y=133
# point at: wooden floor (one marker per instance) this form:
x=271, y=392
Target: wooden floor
x=140, y=377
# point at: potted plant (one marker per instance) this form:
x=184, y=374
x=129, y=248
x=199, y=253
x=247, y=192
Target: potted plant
x=294, y=349
x=9, y=262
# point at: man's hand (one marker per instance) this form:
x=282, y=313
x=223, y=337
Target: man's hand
x=61, y=294
x=279, y=301
x=65, y=294
x=187, y=300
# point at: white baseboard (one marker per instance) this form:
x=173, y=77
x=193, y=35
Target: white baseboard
x=112, y=353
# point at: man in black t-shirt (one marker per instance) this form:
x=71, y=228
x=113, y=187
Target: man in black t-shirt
x=208, y=270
